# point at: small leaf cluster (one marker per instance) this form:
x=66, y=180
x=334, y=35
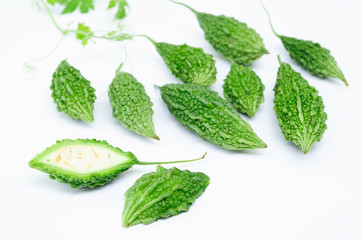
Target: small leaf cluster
x=122, y=4
x=71, y=5
x=85, y=6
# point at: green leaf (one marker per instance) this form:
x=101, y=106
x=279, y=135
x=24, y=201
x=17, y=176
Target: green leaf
x=71, y=5
x=112, y=4
x=86, y=5
x=52, y=2
x=122, y=4
x=84, y=33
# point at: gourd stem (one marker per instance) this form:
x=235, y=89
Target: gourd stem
x=147, y=37
x=269, y=19
x=279, y=59
x=52, y=18
x=227, y=58
x=119, y=68
x=48, y=54
x=185, y=5
x=181, y=161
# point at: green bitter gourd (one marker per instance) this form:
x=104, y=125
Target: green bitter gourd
x=85, y=162
x=131, y=105
x=72, y=93
x=189, y=64
x=211, y=117
x=231, y=38
x=311, y=56
x=162, y=194
x=299, y=108
x=243, y=89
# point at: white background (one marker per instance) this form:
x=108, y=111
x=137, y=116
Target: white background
x=277, y=193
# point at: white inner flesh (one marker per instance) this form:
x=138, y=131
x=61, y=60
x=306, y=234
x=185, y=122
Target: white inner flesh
x=85, y=159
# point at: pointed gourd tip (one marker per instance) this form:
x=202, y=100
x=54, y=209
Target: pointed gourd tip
x=31, y=163
x=155, y=137
x=125, y=225
x=344, y=80
x=88, y=119
x=306, y=150
x=250, y=114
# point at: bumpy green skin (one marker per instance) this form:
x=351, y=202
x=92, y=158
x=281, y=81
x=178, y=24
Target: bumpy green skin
x=299, y=109
x=72, y=93
x=82, y=180
x=232, y=38
x=162, y=194
x=204, y=112
x=189, y=64
x=313, y=57
x=131, y=105
x=243, y=89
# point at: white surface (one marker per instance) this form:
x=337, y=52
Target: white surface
x=277, y=193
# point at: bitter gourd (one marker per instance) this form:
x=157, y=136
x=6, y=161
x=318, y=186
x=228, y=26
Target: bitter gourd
x=299, y=108
x=72, y=93
x=162, y=194
x=243, y=89
x=207, y=114
x=85, y=162
x=189, y=64
x=231, y=38
x=311, y=56
x=131, y=105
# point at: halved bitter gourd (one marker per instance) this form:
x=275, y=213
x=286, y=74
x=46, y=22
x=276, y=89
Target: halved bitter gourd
x=86, y=162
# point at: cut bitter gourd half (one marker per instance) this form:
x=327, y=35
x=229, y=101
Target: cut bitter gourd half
x=87, y=162
x=83, y=162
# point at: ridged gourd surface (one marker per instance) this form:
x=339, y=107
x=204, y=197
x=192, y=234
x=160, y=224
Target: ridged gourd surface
x=299, y=108
x=161, y=194
x=243, y=89
x=131, y=105
x=189, y=64
x=313, y=57
x=72, y=93
x=207, y=114
x=233, y=39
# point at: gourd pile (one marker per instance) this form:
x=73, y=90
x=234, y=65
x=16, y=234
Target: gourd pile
x=167, y=192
